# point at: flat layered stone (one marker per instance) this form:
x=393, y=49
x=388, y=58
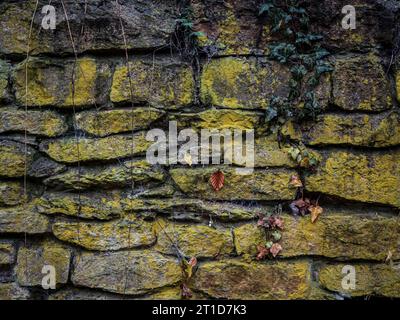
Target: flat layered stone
x=31, y=260
x=161, y=82
x=71, y=150
x=234, y=279
x=193, y=240
x=240, y=83
x=341, y=235
x=84, y=294
x=14, y=161
x=371, y=279
x=125, y=272
x=4, y=74
x=104, y=123
x=398, y=85
x=272, y=184
x=23, y=219
x=360, y=83
x=107, y=176
x=268, y=152
x=50, y=83
x=7, y=253
x=372, y=177
x=43, y=123
x=88, y=205
x=381, y=130
x=11, y=193
x=12, y=291
x=96, y=26
x=109, y=236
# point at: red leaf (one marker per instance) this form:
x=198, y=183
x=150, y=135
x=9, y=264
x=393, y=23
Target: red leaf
x=275, y=249
x=193, y=261
x=217, y=180
x=262, y=252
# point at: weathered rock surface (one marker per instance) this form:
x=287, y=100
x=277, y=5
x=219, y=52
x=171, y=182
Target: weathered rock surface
x=50, y=83
x=161, y=82
x=13, y=158
x=71, y=150
x=23, y=219
x=234, y=279
x=382, y=130
x=360, y=83
x=372, y=177
x=371, y=279
x=11, y=193
x=43, y=123
x=108, y=236
x=104, y=123
x=260, y=185
x=336, y=234
x=4, y=74
x=242, y=83
x=31, y=260
x=193, y=240
x=94, y=24
x=7, y=253
x=12, y=291
x=123, y=174
x=129, y=272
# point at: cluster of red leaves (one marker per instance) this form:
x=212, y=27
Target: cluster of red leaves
x=271, y=223
x=264, y=251
x=306, y=206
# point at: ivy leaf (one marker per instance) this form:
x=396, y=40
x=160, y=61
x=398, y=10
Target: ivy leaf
x=315, y=211
x=262, y=252
x=296, y=182
x=269, y=244
x=275, y=249
x=276, y=235
x=217, y=180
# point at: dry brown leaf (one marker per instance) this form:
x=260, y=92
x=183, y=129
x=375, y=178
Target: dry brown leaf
x=296, y=182
x=217, y=180
x=315, y=211
x=188, y=159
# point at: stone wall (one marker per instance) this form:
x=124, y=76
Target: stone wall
x=77, y=192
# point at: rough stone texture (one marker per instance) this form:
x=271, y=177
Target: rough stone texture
x=128, y=272
x=11, y=193
x=372, y=177
x=88, y=206
x=234, y=279
x=163, y=82
x=104, y=123
x=4, y=74
x=360, y=83
x=101, y=26
x=398, y=85
x=199, y=241
x=109, y=236
x=84, y=294
x=23, y=219
x=49, y=83
x=13, y=159
x=71, y=150
x=336, y=234
x=261, y=185
x=371, y=279
x=382, y=130
x=7, y=253
x=12, y=291
x=123, y=174
x=31, y=260
x=242, y=83
x=43, y=123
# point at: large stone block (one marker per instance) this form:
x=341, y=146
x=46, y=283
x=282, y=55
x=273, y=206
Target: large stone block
x=371, y=279
x=23, y=219
x=125, y=272
x=193, y=240
x=398, y=84
x=14, y=161
x=381, y=130
x=109, y=236
x=336, y=234
x=95, y=26
x=360, y=83
x=271, y=184
x=43, y=123
x=72, y=149
x=4, y=74
x=12, y=291
x=62, y=83
x=11, y=193
x=138, y=171
x=7, y=253
x=372, y=177
x=162, y=82
x=32, y=259
x=104, y=123
x=234, y=279
x=242, y=83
